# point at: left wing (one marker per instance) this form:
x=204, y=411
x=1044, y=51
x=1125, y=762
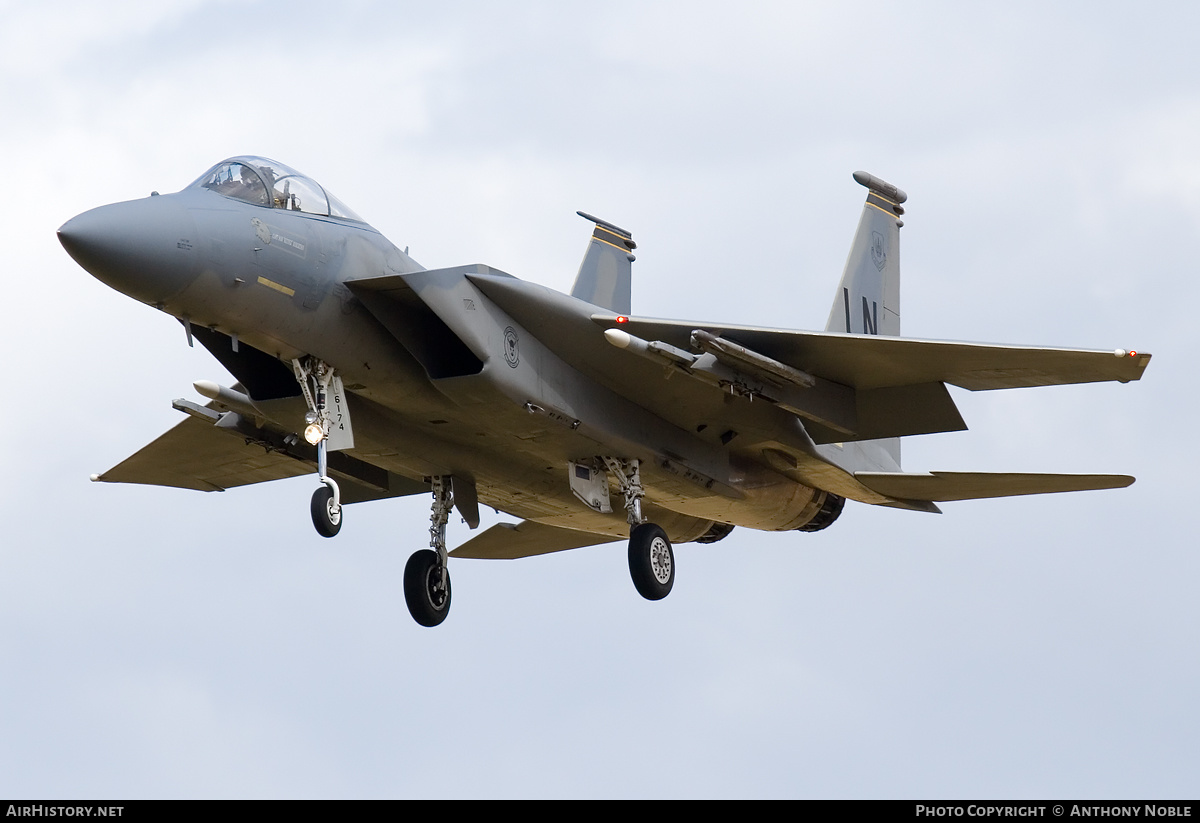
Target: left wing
x=196, y=455
x=214, y=451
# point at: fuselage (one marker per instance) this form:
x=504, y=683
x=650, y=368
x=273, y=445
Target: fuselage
x=441, y=379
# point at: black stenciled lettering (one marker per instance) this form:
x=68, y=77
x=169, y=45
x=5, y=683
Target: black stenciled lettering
x=870, y=320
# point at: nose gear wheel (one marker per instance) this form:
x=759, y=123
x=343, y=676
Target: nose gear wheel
x=326, y=515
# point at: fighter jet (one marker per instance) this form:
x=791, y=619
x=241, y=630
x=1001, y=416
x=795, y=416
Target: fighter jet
x=589, y=423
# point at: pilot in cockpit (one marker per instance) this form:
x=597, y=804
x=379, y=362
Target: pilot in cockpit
x=249, y=187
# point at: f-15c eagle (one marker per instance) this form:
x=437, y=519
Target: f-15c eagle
x=390, y=379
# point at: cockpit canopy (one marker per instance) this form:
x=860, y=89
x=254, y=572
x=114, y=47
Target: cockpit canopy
x=266, y=183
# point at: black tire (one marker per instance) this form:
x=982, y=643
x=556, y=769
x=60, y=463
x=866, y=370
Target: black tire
x=327, y=522
x=651, y=561
x=426, y=604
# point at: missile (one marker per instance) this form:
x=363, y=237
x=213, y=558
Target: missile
x=661, y=352
x=740, y=357
x=230, y=398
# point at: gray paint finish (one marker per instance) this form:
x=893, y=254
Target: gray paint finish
x=472, y=373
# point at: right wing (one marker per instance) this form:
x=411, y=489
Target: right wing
x=863, y=386
x=853, y=386
x=868, y=361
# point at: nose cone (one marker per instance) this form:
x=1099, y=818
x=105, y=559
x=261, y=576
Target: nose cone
x=142, y=248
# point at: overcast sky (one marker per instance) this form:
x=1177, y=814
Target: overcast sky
x=167, y=643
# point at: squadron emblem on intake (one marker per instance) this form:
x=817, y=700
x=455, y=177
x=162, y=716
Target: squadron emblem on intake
x=512, y=354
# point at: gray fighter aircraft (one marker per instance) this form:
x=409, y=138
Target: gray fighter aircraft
x=390, y=379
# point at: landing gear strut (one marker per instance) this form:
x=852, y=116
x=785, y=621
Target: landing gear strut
x=651, y=561
x=426, y=577
x=326, y=505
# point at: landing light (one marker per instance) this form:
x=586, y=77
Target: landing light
x=313, y=432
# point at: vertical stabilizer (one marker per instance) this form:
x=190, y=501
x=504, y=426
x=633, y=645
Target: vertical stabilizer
x=606, y=273
x=868, y=298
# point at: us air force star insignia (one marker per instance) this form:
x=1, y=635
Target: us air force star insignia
x=512, y=355
x=878, y=255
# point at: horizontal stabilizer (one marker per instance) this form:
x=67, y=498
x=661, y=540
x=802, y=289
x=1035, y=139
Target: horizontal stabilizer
x=947, y=486
x=508, y=541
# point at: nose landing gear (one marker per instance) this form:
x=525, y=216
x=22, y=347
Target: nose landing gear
x=316, y=379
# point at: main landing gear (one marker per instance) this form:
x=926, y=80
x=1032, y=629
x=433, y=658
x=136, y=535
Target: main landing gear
x=426, y=577
x=651, y=561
